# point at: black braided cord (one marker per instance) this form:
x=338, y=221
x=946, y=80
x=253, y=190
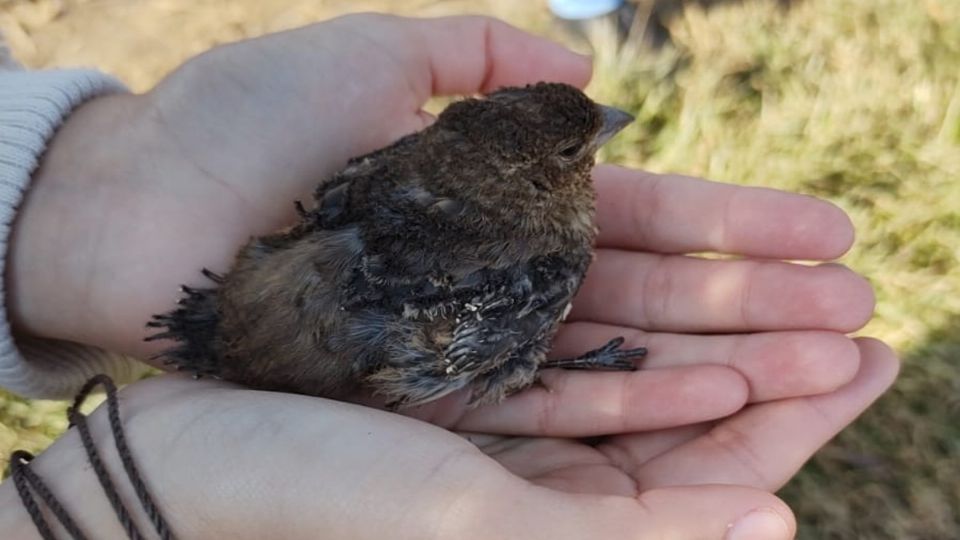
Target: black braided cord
x=126, y=457
x=80, y=422
x=24, y=478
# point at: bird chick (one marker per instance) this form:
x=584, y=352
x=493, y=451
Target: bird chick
x=444, y=261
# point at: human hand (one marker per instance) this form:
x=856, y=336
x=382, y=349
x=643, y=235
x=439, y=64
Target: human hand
x=137, y=193
x=224, y=462
x=180, y=177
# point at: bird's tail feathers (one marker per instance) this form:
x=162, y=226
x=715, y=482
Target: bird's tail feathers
x=193, y=326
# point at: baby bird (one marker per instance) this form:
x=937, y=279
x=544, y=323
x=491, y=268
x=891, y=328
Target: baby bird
x=442, y=262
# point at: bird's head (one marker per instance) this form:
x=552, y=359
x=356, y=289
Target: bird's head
x=544, y=135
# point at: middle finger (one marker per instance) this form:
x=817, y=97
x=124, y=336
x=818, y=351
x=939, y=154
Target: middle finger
x=776, y=365
x=677, y=293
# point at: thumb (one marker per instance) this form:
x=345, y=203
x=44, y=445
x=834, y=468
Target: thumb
x=714, y=512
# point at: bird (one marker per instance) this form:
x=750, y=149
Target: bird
x=445, y=261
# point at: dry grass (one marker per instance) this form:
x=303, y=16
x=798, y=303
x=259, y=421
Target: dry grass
x=857, y=101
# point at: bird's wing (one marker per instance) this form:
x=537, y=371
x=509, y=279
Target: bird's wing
x=522, y=310
x=447, y=339
x=336, y=197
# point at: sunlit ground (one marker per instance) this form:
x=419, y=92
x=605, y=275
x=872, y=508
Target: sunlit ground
x=857, y=101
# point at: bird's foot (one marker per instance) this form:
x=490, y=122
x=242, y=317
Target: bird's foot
x=609, y=357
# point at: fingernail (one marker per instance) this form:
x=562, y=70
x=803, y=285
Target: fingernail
x=760, y=524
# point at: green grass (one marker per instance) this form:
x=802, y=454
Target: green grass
x=29, y=425
x=857, y=101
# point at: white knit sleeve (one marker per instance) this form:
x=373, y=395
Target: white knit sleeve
x=33, y=104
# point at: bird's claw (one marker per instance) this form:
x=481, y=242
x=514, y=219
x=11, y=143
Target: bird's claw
x=608, y=357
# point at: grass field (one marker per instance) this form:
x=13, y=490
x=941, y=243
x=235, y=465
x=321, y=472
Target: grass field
x=857, y=101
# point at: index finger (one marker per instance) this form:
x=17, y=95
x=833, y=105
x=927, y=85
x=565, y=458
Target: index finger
x=678, y=214
x=468, y=54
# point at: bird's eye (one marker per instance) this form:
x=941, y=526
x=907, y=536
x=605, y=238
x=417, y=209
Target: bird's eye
x=570, y=151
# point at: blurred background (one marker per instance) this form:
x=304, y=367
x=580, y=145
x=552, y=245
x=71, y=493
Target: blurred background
x=857, y=101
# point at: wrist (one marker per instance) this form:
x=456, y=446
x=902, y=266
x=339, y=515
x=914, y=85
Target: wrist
x=65, y=471
x=78, y=244
x=117, y=218
x=53, y=242
x=14, y=520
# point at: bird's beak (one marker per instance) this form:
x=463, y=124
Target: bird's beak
x=613, y=121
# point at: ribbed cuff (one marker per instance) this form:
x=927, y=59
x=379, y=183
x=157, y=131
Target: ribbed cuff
x=33, y=104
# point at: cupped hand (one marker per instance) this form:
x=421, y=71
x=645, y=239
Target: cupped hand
x=226, y=462
x=137, y=193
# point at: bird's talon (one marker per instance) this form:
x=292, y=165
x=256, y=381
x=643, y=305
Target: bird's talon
x=613, y=344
